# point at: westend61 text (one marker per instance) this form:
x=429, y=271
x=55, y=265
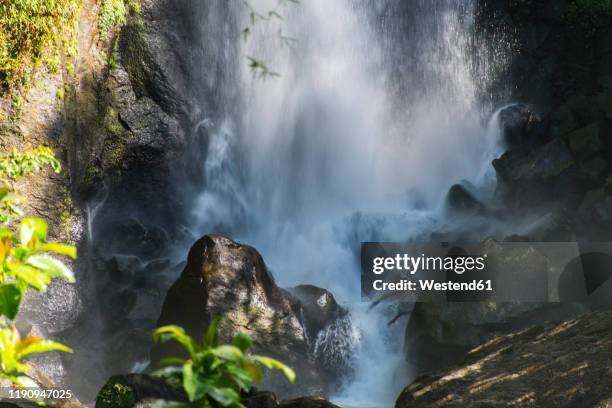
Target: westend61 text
x=432, y=285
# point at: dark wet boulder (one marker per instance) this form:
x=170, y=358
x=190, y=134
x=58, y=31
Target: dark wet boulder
x=265, y=399
x=262, y=399
x=308, y=402
x=223, y=277
x=586, y=142
x=522, y=128
x=319, y=307
x=546, y=173
x=461, y=201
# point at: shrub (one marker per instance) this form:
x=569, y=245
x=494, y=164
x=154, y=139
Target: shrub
x=214, y=375
x=24, y=263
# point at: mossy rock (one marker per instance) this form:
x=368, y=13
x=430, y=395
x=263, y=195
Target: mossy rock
x=116, y=393
x=125, y=391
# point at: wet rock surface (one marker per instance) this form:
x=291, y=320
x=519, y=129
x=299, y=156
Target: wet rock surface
x=554, y=365
x=223, y=277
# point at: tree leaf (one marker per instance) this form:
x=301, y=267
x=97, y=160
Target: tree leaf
x=60, y=249
x=54, y=267
x=166, y=333
x=10, y=299
x=32, y=231
x=242, y=341
x=254, y=371
x=194, y=387
x=30, y=275
x=227, y=352
x=212, y=332
x=172, y=361
x=275, y=364
x=224, y=396
x=42, y=346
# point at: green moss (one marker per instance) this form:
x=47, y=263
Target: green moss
x=112, y=15
x=91, y=172
x=34, y=32
x=136, y=58
x=116, y=394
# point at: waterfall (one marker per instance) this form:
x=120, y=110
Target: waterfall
x=374, y=113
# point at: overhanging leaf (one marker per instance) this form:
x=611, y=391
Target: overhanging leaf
x=60, y=249
x=10, y=299
x=54, y=267
x=32, y=231
x=275, y=364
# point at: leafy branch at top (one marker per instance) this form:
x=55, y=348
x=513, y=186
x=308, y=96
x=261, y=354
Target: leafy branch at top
x=258, y=67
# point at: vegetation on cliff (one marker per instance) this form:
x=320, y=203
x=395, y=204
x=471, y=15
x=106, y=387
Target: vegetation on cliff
x=34, y=32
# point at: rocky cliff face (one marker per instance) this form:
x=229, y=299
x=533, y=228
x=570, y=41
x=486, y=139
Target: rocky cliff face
x=555, y=170
x=126, y=113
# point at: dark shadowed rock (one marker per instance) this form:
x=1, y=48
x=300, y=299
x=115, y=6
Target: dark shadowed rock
x=262, y=399
x=267, y=399
x=522, y=128
x=439, y=334
x=319, y=307
x=223, y=277
x=539, y=366
x=308, y=402
x=586, y=142
x=461, y=201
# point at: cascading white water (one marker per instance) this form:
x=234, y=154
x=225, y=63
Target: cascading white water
x=358, y=139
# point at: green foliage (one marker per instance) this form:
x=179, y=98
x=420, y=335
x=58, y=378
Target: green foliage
x=116, y=395
x=214, y=375
x=258, y=67
x=13, y=349
x=25, y=263
x=577, y=10
x=33, y=31
x=14, y=166
x=112, y=14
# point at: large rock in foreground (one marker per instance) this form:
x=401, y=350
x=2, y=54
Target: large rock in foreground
x=223, y=277
x=558, y=365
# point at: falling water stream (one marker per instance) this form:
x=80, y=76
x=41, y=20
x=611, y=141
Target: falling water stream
x=374, y=114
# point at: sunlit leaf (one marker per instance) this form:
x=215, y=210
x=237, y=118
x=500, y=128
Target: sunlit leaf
x=32, y=231
x=254, y=371
x=275, y=364
x=167, y=333
x=228, y=352
x=60, y=249
x=42, y=346
x=31, y=275
x=54, y=267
